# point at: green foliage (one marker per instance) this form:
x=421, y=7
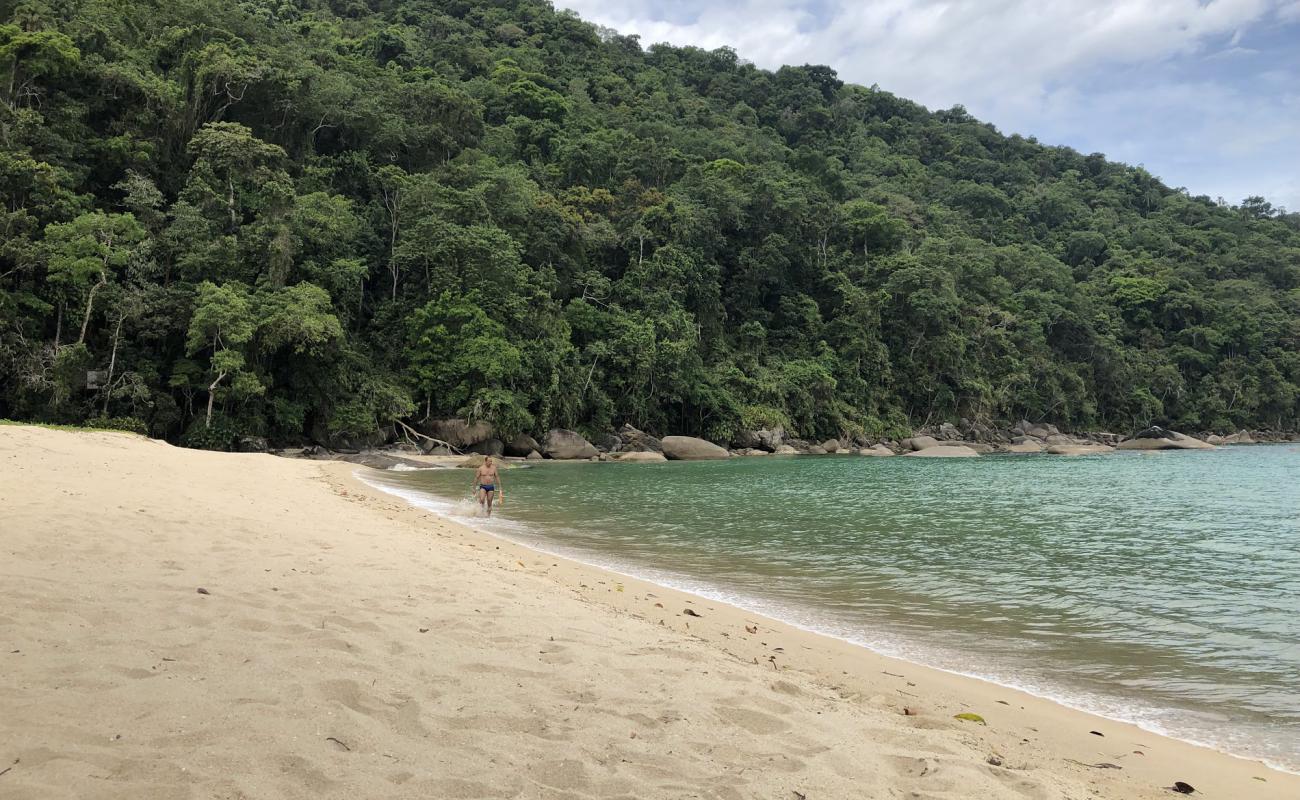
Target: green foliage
x=219, y=433
x=310, y=219
x=128, y=424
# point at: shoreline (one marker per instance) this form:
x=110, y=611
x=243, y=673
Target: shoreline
x=348, y=644
x=754, y=607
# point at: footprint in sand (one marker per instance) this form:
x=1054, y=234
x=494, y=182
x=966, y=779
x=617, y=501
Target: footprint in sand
x=752, y=720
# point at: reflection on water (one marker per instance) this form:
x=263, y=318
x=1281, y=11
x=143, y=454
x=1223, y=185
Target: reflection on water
x=1159, y=589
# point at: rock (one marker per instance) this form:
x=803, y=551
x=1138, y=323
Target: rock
x=635, y=440
x=597, y=457
x=831, y=445
x=1026, y=440
x=1059, y=438
x=761, y=439
x=949, y=432
x=488, y=447
x=608, y=443
x=639, y=455
x=1214, y=439
x=815, y=450
x=1079, y=449
x=473, y=462
x=458, y=433
x=250, y=444
x=978, y=447
x=566, y=444
x=949, y=451
x=533, y=455
x=921, y=442
x=1027, y=446
x=522, y=445
x=785, y=450
x=1157, y=438
x=1041, y=431
x=770, y=439
x=690, y=448
x=877, y=451
x=753, y=451
x=1240, y=437
x=1103, y=437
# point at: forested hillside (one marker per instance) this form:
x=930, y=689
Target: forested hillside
x=303, y=219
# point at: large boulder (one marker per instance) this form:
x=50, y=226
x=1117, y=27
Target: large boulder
x=815, y=450
x=978, y=447
x=1214, y=439
x=877, y=451
x=953, y=451
x=534, y=456
x=689, y=448
x=488, y=447
x=761, y=439
x=1157, y=438
x=566, y=444
x=949, y=432
x=634, y=456
x=635, y=440
x=521, y=446
x=460, y=434
x=831, y=445
x=1041, y=431
x=785, y=450
x=919, y=443
x=1240, y=437
x=1079, y=449
x=1059, y=438
x=607, y=442
x=473, y=462
x=1029, y=445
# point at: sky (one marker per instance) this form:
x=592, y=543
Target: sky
x=1204, y=93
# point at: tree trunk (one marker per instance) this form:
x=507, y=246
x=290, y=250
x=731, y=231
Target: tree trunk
x=230, y=203
x=112, y=364
x=212, y=396
x=90, y=304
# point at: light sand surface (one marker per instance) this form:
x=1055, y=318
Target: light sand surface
x=350, y=646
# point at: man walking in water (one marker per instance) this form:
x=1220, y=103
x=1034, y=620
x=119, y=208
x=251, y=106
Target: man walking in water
x=487, y=482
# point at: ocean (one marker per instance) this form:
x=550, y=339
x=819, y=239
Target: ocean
x=1160, y=589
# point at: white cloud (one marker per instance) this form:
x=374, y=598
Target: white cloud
x=1063, y=70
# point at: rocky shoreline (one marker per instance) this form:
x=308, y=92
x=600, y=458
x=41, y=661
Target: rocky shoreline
x=458, y=437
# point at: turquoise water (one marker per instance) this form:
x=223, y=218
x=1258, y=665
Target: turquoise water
x=1162, y=589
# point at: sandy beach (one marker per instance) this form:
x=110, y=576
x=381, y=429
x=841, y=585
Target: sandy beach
x=185, y=624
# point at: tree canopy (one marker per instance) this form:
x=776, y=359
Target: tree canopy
x=300, y=218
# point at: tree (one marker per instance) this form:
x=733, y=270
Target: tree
x=87, y=253
x=222, y=325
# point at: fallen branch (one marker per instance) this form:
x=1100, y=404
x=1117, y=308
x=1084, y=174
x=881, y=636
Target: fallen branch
x=409, y=432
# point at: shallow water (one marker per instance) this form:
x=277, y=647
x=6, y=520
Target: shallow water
x=1162, y=589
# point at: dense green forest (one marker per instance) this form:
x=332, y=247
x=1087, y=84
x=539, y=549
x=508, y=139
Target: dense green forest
x=302, y=219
